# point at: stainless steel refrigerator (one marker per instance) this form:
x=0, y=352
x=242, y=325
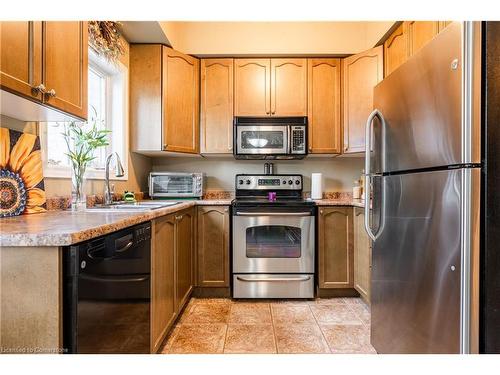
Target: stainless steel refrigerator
x=423, y=168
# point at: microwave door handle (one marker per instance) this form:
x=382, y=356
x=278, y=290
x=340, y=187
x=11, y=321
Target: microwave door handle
x=289, y=139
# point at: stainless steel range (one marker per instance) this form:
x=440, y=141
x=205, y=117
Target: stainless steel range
x=273, y=238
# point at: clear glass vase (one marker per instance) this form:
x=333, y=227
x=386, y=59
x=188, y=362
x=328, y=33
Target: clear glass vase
x=78, y=197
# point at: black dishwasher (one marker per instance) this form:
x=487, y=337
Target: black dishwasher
x=107, y=293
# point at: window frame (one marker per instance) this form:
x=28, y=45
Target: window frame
x=116, y=88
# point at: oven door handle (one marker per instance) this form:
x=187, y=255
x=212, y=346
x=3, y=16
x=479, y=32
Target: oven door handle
x=273, y=213
x=274, y=279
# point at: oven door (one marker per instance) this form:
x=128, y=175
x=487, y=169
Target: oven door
x=262, y=140
x=266, y=242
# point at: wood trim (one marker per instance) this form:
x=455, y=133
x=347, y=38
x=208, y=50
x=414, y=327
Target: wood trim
x=374, y=53
x=147, y=96
x=241, y=63
x=335, y=125
x=324, y=254
x=277, y=63
x=216, y=129
x=169, y=53
x=34, y=49
x=78, y=109
x=399, y=32
x=205, y=247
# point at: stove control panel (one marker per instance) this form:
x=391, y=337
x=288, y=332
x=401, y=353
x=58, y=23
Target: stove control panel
x=268, y=182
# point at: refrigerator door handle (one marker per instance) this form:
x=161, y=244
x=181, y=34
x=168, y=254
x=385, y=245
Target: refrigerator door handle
x=368, y=175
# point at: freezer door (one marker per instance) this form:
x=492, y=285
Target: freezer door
x=421, y=103
x=416, y=264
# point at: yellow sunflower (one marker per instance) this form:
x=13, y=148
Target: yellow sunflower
x=21, y=177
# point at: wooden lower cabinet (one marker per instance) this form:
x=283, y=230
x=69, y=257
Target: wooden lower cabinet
x=171, y=271
x=362, y=256
x=335, y=248
x=163, y=311
x=213, y=246
x=184, y=233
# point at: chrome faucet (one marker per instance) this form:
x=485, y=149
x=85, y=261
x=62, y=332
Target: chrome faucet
x=119, y=172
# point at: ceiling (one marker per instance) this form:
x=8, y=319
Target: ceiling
x=260, y=38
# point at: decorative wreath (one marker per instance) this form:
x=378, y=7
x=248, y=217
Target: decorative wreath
x=105, y=39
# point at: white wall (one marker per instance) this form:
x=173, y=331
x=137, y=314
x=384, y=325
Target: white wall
x=274, y=38
x=338, y=173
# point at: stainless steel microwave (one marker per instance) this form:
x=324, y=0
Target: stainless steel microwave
x=270, y=138
x=176, y=185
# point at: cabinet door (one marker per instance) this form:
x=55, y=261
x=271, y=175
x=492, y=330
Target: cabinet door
x=21, y=57
x=419, y=33
x=252, y=87
x=323, y=107
x=361, y=73
x=362, y=255
x=183, y=258
x=162, y=280
x=65, y=66
x=395, y=49
x=335, y=238
x=181, y=126
x=289, y=87
x=213, y=246
x=216, y=106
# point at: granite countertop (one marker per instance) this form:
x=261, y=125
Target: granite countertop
x=340, y=202
x=63, y=228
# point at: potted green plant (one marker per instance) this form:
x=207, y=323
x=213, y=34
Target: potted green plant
x=82, y=139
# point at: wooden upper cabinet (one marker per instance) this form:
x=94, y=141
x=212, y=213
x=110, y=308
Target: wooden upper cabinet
x=65, y=61
x=362, y=256
x=21, y=57
x=361, y=73
x=46, y=62
x=163, y=311
x=289, y=87
x=252, y=83
x=180, y=102
x=419, y=33
x=335, y=247
x=395, y=49
x=213, y=246
x=164, y=100
x=216, y=115
x=324, y=106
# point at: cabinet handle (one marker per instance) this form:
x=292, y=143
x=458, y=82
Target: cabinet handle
x=226, y=209
x=40, y=89
x=268, y=112
x=310, y=149
x=273, y=112
x=177, y=218
x=321, y=212
x=51, y=93
x=165, y=146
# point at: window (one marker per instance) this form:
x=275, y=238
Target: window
x=108, y=106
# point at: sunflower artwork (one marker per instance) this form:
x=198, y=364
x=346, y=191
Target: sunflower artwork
x=21, y=176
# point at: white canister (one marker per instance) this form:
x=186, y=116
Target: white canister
x=317, y=186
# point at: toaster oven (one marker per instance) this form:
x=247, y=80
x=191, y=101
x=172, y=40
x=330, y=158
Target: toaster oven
x=176, y=185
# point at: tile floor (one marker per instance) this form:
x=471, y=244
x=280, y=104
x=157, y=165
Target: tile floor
x=330, y=325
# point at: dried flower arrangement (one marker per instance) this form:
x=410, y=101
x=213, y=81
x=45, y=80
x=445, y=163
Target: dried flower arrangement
x=105, y=39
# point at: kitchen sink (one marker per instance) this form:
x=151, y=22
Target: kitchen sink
x=132, y=207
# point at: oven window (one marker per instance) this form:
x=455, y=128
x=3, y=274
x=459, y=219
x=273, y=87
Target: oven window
x=273, y=241
x=262, y=139
x=173, y=184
